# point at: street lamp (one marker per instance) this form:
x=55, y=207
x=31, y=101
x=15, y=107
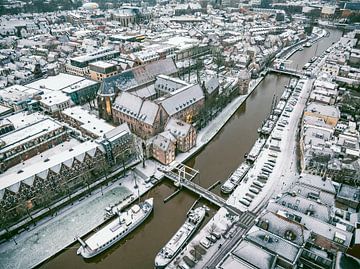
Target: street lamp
x=135, y=186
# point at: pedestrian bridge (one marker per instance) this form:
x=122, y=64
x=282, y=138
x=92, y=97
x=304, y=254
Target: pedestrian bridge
x=183, y=175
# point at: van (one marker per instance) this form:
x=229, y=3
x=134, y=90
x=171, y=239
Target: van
x=216, y=234
x=244, y=202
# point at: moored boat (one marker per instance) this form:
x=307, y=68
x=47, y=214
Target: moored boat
x=180, y=238
x=235, y=178
x=116, y=230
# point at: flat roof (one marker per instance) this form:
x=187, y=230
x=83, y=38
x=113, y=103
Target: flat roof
x=55, y=83
x=23, y=118
x=102, y=64
x=89, y=122
x=22, y=136
x=54, y=98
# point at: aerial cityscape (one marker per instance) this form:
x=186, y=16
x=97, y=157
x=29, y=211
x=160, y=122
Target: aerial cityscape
x=180, y=134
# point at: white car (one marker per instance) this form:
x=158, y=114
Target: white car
x=205, y=243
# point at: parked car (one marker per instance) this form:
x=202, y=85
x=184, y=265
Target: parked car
x=205, y=243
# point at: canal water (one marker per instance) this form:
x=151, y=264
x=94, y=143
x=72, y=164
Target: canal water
x=215, y=162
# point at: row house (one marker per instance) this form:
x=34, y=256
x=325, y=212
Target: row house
x=26, y=142
x=41, y=183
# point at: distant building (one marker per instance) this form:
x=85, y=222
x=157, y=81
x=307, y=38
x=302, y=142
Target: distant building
x=243, y=82
x=80, y=65
x=100, y=70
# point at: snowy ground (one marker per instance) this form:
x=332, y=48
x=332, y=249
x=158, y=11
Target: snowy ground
x=285, y=167
x=46, y=239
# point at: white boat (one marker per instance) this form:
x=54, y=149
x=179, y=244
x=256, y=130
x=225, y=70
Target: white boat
x=256, y=149
x=116, y=230
x=235, y=178
x=176, y=243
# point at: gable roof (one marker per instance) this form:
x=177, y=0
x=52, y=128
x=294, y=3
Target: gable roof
x=136, y=107
x=182, y=99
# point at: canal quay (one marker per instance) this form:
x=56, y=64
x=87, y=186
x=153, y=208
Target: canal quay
x=215, y=162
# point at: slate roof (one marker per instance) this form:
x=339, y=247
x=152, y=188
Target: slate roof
x=182, y=99
x=137, y=76
x=136, y=107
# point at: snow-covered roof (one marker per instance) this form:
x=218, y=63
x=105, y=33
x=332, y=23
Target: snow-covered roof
x=274, y=243
x=177, y=128
x=28, y=133
x=306, y=206
x=254, y=255
x=41, y=169
x=314, y=225
x=89, y=122
x=317, y=182
x=278, y=225
x=55, y=83
x=324, y=110
x=136, y=107
x=182, y=99
x=23, y=118
x=54, y=98
x=137, y=76
x=163, y=141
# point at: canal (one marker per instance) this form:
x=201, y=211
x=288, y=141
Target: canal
x=215, y=162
